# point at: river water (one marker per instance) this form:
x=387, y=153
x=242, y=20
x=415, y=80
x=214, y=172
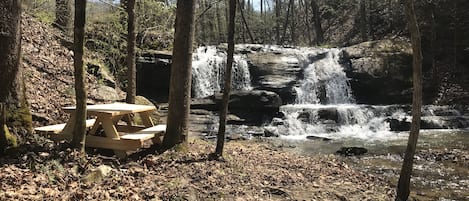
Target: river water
x=325, y=111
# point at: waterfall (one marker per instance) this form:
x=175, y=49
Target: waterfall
x=208, y=72
x=324, y=104
x=324, y=82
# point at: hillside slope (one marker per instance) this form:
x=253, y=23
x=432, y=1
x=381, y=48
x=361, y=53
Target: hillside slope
x=48, y=72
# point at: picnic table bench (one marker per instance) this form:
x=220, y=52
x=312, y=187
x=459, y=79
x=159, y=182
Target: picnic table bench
x=117, y=136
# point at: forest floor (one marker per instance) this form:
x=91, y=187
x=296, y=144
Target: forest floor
x=250, y=171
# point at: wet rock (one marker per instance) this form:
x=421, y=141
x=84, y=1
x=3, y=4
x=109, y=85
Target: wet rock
x=352, y=151
x=311, y=137
x=275, y=72
x=380, y=71
x=255, y=107
x=270, y=131
x=398, y=125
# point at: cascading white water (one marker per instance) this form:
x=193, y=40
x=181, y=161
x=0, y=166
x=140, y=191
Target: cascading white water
x=208, y=71
x=325, y=106
x=324, y=77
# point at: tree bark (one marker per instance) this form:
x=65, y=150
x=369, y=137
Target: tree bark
x=363, y=26
x=293, y=23
x=79, y=131
x=403, y=188
x=246, y=24
x=227, y=88
x=285, y=26
x=220, y=27
x=317, y=23
x=131, y=40
x=63, y=15
x=12, y=91
x=278, y=8
x=304, y=4
x=180, y=84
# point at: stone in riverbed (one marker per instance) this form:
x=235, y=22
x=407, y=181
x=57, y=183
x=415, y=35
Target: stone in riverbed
x=352, y=151
x=312, y=137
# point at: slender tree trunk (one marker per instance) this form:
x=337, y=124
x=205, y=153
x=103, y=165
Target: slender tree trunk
x=371, y=7
x=246, y=24
x=227, y=89
x=131, y=40
x=79, y=131
x=63, y=15
x=203, y=24
x=363, y=26
x=12, y=91
x=403, y=188
x=435, y=70
x=285, y=25
x=293, y=23
x=180, y=85
x=317, y=23
x=307, y=22
x=220, y=27
x=278, y=8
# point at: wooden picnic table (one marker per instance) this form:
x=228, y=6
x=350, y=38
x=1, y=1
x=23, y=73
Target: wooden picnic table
x=118, y=137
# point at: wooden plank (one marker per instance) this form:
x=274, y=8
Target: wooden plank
x=141, y=137
x=149, y=133
x=121, y=145
x=161, y=128
x=57, y=128
x=129, y=129
x=114, y=109
x=111, y=133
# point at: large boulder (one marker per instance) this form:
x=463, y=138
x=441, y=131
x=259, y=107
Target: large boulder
x=275, y=71
x=255, y=106
x=380, y=71
x=105, y=93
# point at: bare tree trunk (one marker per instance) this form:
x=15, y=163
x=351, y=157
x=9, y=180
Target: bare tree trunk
x=403, y=187
x=285, y=25
x=317, y=23
x=131, y=40
x=180, y=84
x=79, y=131
x=307, y=22
x=227, y=89
x=220, y=27
x=278, y=8
x=63, y=15
x=293, y=23
x=371, y=7
x=246, y=24
x=363, y=33
x=12, y=91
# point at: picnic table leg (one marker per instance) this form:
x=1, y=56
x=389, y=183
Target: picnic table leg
x=146, y=119
x=128, y=119
x=111, y=132
x=69, y=126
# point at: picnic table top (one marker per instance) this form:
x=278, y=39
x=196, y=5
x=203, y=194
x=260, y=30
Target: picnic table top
x=114, y=108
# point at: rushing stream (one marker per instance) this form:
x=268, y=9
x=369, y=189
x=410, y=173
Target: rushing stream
x=325, y=111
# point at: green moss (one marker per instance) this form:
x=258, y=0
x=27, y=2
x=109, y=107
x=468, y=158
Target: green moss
x=7, y=140
x=45, y=17
x=181, y=148
x=20, y=116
